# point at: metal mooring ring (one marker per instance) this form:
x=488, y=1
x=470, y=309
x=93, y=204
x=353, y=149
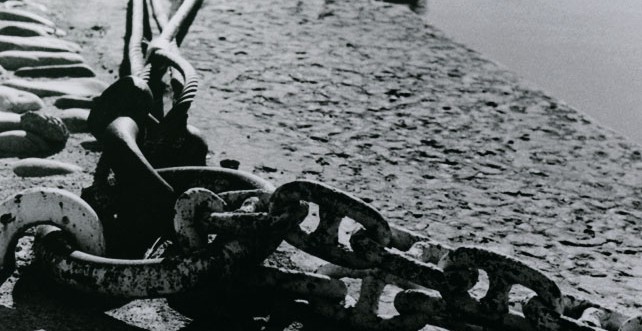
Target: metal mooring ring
x=47, y=206
x=146, y=278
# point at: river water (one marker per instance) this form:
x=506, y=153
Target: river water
x=585, y=52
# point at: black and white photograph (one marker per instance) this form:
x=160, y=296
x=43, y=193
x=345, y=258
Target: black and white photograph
x=321, y=165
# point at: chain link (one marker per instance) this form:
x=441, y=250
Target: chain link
x=333, y=206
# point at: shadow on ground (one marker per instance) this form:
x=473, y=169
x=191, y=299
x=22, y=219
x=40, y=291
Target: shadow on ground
x=40, y=304
x=34, y=298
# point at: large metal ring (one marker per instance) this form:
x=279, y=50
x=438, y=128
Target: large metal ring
x=47, y=206
x=155, y=277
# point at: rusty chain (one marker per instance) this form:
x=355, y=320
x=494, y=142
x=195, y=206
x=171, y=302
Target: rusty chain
x=388, y=255
x=135, y=278
x=250, y=218
x=381, y=255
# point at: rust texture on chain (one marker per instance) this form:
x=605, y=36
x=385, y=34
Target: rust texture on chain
x=218, y=226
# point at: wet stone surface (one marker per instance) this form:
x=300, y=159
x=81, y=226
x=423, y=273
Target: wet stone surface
x=366, y=97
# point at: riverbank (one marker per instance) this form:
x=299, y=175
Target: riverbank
x=366, y=97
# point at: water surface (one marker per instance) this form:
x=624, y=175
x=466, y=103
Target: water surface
x=585, y=52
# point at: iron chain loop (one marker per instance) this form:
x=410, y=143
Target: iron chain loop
x=333, y=206
x=503, y=273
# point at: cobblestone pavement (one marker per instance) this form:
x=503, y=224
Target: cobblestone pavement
x=367, y=97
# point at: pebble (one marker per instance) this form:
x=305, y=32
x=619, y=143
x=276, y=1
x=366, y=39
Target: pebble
x=48, y=127
x=73, y=101
x=266, y=169
x=56, y=71
x=25, y=4
x=20, y=15
x=36, y=167
x=75, y=119
x=22, y=143
x=9, y=121
x=48, y=44
x=86, y=87
x=12, y=60
x=18, y=101
x=24, y=29
x=230, y=164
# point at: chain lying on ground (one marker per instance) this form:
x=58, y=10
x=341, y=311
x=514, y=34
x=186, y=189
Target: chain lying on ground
x=251, y=219
x=380, y=255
